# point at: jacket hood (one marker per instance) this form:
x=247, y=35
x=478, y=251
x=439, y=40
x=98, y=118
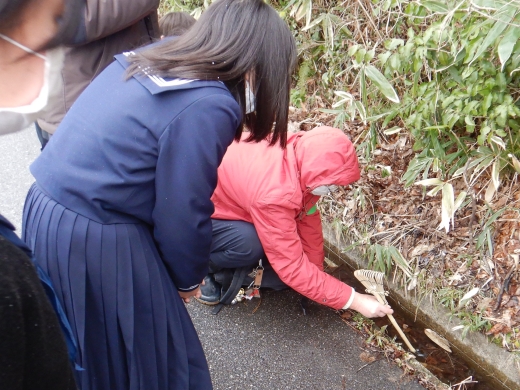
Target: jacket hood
x=325, y=156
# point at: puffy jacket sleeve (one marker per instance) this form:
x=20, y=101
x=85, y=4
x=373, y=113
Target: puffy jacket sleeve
x=278, y=233
x=103, y=18
x=190, y=151
x=311, y=235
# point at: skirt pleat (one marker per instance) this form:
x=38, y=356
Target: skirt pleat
x=59, y=270
x=110, y=286
x=132, y=328
x=96, y=338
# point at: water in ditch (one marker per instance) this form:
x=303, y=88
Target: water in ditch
x=448, y=367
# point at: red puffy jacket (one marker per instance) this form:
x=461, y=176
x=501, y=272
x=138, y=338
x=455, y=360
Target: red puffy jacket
x=271, y=188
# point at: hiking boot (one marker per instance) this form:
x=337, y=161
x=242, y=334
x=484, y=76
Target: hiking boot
x=210, y=291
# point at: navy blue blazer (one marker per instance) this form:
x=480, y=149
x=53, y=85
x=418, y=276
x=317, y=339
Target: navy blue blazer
x=145, y=150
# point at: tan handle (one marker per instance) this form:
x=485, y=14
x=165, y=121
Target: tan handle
x=401, y=333
x=395, y=324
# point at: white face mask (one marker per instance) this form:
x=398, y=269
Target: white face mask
x=324, y=190
x=250, y=99
x=18, y=118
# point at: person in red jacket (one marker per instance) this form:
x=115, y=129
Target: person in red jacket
x=265, y=208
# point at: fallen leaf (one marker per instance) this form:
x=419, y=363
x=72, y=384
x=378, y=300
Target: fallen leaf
x=366, y=357
x=496, y=329
x=470, y=294
x=346, y=315
x=438, y=339
x=420, y=249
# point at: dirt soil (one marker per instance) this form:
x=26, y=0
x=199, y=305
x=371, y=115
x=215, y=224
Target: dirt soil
x=379, y=209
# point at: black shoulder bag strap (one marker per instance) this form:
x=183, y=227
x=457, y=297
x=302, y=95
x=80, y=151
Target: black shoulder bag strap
x=236, y=284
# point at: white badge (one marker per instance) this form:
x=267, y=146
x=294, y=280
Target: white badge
x=324, y=190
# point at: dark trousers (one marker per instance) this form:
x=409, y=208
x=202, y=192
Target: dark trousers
x=236, y=244
x=43, y=136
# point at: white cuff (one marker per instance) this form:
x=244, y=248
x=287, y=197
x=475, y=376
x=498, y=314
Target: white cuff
x=349, y=300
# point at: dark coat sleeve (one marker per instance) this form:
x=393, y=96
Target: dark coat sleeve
x=190, y=151
x=103, y=18
x=33, y=353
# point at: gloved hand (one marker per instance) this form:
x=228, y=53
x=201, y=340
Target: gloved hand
x=369, y=306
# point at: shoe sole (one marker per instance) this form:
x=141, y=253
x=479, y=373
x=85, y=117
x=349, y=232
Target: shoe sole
x=206, y=302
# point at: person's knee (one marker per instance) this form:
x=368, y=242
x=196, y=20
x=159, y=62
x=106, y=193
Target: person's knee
x=235, y=244
x=251, y=245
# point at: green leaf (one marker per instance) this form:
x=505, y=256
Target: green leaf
x=360, y=55
x=395, y=62
x=467, y=72
x=381, y=83
x=446, y=102
x=434, y=191
x=314, y=23
x=506, y=45
x=495, y=171
x=515, y=162
x=304, y=10
x=383, y=57
x=369, y=55
x=488, y=67
x=493, y=183
x=499, y=141
x=352, y=50
x=430, y=182
x=435, y=6
x=495, y=31
x=417, y=64
x=491, y=4
x=454, y=73
x=484, y=131
x=486, y=104
x=391, y=44
x=470, y=124
x=361, y=110
x=393, y=130
x=460, y=199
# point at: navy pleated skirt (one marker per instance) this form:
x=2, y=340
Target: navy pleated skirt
x=131, y=325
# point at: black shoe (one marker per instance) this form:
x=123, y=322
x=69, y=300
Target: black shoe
x=210, y=291
x=224, y=277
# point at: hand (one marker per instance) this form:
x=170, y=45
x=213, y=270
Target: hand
x=369, y=306
x=186, y=295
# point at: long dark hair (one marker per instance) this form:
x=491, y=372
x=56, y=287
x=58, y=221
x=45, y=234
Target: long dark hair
x=232, y=39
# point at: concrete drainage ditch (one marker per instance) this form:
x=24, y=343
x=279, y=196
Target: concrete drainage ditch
x=491, y=364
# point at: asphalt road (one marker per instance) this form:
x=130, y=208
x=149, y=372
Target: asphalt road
x=276, y=347
x=17, y=152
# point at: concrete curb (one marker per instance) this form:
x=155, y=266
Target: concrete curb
x=491, y=362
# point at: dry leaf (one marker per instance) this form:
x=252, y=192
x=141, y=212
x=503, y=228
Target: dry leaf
x=498, y=328
x=470, y=294
x=346, y=315
x=437, y=339
x=420, y=249
x=366, y=357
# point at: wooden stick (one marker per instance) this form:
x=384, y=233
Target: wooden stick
x=362, y=275
x=396, y=325
x=401, y=333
